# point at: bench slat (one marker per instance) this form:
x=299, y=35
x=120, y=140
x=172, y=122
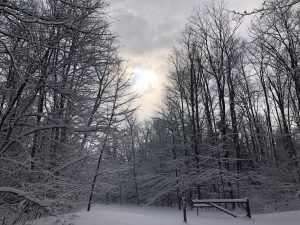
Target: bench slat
x=201, y=205
x=243, y=200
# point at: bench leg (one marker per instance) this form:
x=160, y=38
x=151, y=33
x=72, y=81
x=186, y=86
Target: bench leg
x=248, y=208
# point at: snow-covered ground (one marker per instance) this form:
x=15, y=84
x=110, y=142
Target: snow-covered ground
x=129, y=215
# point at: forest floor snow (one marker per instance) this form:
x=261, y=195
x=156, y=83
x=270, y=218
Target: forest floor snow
x=130, y=215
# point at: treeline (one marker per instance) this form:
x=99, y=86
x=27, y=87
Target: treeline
x=63, y=91
x=229, y=127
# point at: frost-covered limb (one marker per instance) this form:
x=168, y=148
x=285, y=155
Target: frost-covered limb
x=62, y=167
x=27, y=196
x=268, y=6
x=14, y=10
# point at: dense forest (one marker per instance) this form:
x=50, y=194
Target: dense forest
x=69, y=135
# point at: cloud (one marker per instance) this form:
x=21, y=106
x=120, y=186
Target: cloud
x=139, y=36
x=149, y=25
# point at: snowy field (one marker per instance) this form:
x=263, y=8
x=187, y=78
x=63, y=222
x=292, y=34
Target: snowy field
x=129, y=215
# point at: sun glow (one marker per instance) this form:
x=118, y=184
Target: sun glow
x=144, y=79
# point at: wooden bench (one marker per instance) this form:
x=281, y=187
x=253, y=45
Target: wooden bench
x=200, y=203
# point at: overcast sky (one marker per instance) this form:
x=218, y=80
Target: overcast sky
x=148, y=29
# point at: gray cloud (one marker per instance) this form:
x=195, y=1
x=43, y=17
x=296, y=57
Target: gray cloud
x=150, y=25
x=145, y=25
x=140, y=36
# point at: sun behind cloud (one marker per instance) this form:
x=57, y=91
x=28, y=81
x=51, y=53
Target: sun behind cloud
x=144, y=79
